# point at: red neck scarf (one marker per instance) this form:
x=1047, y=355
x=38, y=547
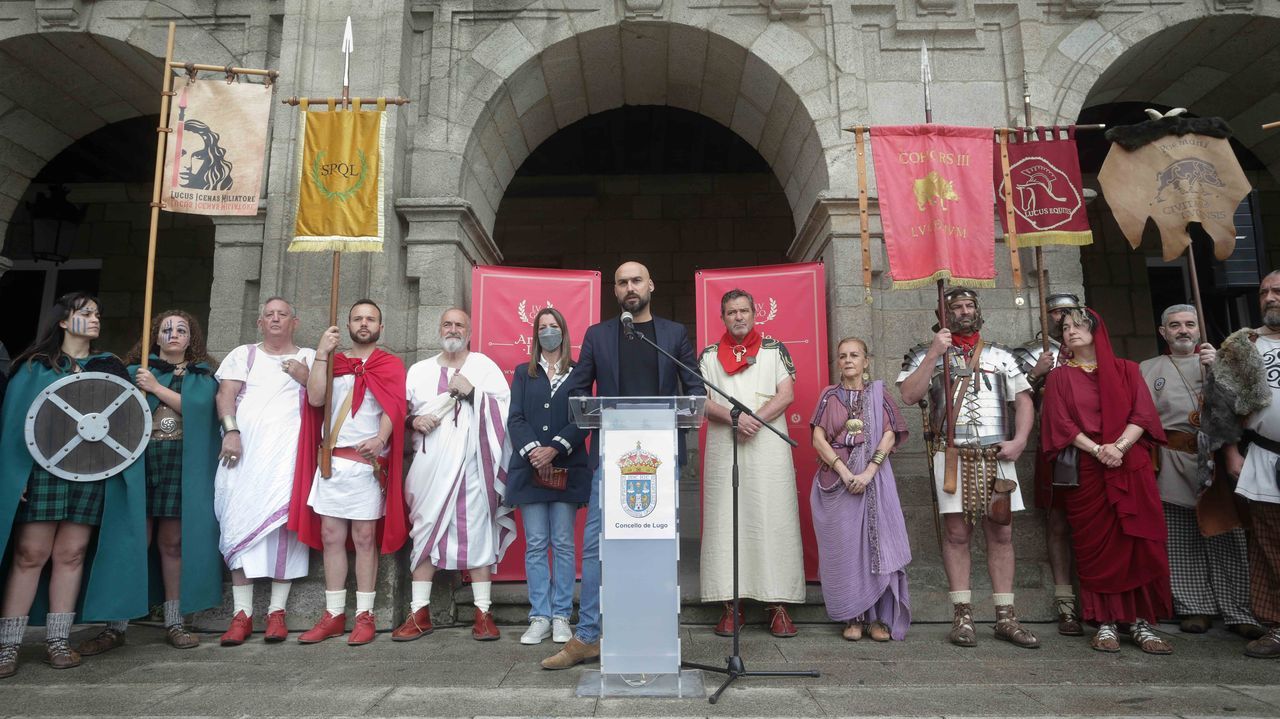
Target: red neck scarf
x=966, y=343
x=736, y=356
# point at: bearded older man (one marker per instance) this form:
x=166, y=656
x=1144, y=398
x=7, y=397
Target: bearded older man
x=1209, y=575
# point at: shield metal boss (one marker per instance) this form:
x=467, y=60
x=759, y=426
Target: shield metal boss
x=88, y=426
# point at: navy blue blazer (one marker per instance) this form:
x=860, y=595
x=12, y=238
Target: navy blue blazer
x=598, y=364
x=538, y=416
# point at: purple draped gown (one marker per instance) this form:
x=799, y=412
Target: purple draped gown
x=862, y=538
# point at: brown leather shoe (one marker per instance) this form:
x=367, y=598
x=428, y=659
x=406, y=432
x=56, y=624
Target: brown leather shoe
x=780, y=624
x=1069, y=618
x=879, y=632
x=573, y=653
x=1010, y=630
x=1144, y=635
x=962, y=632
x=483, y=629
x=1195, y=624
x=725, y=627
x=417, y=624
x=852, y=632
x=277, y=627
x=240, y=629
x=1268, y=647
x=1106, y=640
x=60, y=655
x=1248, y=631
x=9, y=660
x=180, y=638
x=106, y=640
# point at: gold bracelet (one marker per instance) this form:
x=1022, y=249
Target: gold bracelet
x=879, y=457
x=229, y=424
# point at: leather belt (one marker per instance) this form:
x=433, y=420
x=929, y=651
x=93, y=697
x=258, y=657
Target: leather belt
x=350, y=453
x=1251, y=437
x=1184, y=442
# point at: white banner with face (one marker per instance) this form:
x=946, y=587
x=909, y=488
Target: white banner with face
x=639, y=498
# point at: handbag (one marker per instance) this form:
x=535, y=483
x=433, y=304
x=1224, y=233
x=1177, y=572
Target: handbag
x=549, y=477
x=1066, y=468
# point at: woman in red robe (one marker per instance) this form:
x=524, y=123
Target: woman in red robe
x=1100, y=405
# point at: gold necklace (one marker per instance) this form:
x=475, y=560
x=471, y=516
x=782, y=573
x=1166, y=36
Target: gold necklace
x=1086, y=366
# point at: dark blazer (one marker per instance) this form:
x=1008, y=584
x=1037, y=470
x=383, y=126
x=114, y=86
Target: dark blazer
x=537, y=416
x=598, y=364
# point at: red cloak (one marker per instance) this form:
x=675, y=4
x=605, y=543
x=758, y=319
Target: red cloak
x=383, y=374
x=1117, y=520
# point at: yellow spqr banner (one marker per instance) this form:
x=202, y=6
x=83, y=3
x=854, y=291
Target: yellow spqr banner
x=216, y=152
x=340, y=205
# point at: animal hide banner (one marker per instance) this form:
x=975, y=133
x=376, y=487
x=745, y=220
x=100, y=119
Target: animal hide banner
x=340, y=203
x=218, y=147
x=1048, y=199
x=1174, y=170
x=935, y=185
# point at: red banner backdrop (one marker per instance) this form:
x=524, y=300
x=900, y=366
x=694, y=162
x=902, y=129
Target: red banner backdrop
x=790, y=307
x=504, y=301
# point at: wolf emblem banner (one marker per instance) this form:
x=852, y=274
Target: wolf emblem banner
x=340, y=205
x=1048, y=201
x=936, y=198
x=217, y=148
x=1174, y=170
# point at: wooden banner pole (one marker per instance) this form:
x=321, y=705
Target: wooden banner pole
x=1042, y=275
x=166, y=92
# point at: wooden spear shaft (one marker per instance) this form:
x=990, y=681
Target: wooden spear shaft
x=166, y=91
x=1042, y=275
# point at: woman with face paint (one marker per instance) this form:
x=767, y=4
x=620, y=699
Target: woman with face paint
x=549, y=477
x=181, y=457
x=45, y=519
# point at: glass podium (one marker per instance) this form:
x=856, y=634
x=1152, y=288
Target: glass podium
x=639, y=543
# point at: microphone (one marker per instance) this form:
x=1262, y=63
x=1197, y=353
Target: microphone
x=628, y=324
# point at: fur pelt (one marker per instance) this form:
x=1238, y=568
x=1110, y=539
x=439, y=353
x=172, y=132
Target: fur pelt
x=1234, y=388
x=1133, y=137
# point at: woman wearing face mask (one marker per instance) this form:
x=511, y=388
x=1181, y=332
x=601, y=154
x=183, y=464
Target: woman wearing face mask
x=180, y=462
x=549, y=477
x=45, y=519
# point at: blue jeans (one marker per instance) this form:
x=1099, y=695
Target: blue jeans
x=588, y=631
x=550, y=588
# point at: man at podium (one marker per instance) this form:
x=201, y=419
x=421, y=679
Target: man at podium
x=620, y=366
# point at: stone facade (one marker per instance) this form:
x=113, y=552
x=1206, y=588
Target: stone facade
x=491, y=81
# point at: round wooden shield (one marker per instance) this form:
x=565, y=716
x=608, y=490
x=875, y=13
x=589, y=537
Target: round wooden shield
x=88, y=426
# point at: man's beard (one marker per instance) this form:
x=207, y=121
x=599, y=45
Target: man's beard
x=374, y=336
x=1183, y=345
x=641, y=303
x=453, y=344
x=1271, y=317
x=964, y=325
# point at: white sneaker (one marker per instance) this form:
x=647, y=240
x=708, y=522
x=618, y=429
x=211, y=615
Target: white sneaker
x=560, y=631
x=539, y=629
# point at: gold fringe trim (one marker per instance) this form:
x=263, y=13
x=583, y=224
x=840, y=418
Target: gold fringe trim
x=334, y=244
x=1040, y=239
x=942, y=275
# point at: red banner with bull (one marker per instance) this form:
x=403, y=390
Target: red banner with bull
x=791, y=308
x=1048, y=199
x=504, y=301
x=936, y=198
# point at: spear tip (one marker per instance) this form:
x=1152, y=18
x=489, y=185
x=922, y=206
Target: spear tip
x=348, y=44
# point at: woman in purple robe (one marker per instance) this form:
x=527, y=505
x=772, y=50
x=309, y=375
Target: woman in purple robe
x=862, y=537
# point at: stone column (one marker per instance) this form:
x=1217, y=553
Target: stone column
x=237, y=272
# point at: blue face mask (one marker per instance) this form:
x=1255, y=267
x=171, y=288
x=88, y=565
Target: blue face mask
x=549, y=338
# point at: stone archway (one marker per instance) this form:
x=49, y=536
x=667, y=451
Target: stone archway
x=1210, y=65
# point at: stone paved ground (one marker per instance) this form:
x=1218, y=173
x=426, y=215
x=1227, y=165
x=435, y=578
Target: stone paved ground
x=448, y=674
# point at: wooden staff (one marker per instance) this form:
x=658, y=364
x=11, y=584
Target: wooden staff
x=166, y=92
x=1042, y=275
x=1271, y=125
x=1011, y=235
x=864, y=222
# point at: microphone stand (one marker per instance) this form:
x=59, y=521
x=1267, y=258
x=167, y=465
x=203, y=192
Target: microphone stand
x=734, y=666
